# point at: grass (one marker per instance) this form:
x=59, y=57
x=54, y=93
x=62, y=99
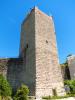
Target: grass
x=58, y=97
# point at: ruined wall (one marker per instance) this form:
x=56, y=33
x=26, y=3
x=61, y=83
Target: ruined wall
x=71, y=65
x=14, y=72
x=3, y=67
x=39, y=67
x=12, y=69
x=65, y=71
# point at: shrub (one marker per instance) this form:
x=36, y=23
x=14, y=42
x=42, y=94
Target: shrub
x=5, y=89
x=71, y=84
x=22, y=93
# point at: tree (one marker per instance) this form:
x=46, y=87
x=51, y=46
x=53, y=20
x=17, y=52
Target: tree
x=22, y=93
x=5, y=89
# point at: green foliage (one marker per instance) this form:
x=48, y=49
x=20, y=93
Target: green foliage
x=5, y=89
x=58, y=97
x=22, y=93
x=71, y=84
x=64, y=65
x=54, y=97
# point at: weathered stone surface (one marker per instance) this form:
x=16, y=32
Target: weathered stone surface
x=65, y=71
x=11, y=68
x=3, y=67
x=71, y=65
x=37, y=65
x=41, y=56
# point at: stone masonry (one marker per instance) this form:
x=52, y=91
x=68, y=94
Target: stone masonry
x=38, y=63
x=39, y=50
x=12, y=69
x=71, y=66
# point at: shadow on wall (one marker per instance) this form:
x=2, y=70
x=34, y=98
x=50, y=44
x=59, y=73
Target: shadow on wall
x=13, y=72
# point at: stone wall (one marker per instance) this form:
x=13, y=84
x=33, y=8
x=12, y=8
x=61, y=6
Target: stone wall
x=14, y=72
x=37, y=65
x=65, y=71
x=11, y=68
x=71, y=65
x=48, y=71
x=27, y=51
x=3, y=66
x=39, y=50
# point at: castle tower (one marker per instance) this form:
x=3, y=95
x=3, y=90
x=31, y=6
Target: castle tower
x=39, y=52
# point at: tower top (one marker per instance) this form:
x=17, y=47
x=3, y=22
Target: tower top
x=35, y=9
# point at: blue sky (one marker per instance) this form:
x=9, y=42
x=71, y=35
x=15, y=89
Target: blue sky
x=13, y=12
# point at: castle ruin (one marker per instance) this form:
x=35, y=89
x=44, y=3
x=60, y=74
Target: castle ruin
x=38, y=64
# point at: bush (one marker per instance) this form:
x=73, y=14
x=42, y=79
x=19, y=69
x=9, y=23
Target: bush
x=71, y=84
x=5, y=89
x=22, y=93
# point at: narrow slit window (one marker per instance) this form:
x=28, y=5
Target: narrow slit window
x=27, y=46
x=46, y=41
x=54, y=92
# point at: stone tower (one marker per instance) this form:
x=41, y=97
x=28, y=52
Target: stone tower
x=38, y=48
